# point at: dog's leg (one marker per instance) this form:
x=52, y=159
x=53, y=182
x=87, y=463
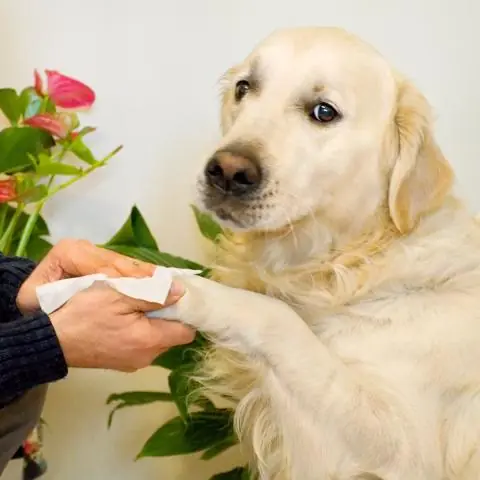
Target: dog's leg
x=461, y=436
x=339, y=403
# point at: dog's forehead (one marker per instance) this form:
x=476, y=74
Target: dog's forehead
x=302, y=42
x=323, y=52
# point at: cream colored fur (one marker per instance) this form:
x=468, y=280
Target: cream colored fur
x=347, y=327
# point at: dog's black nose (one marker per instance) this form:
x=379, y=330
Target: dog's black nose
x=234, y=174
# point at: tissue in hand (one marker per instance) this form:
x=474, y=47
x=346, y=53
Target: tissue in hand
x=52, y=296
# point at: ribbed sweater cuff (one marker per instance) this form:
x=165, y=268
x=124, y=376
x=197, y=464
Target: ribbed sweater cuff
x=30, y=355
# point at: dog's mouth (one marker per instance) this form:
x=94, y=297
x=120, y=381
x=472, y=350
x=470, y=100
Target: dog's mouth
x=244, y=211
x=229, y=217
x=234, y=213
x=225, y=216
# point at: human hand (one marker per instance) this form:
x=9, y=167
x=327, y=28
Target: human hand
x=75, y=258
x=101, y=328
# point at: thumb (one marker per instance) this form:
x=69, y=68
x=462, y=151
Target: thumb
x=170, y=334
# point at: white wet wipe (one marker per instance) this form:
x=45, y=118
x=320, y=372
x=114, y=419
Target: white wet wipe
x=52, y=296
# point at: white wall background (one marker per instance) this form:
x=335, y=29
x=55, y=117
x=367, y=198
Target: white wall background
x=154, y=65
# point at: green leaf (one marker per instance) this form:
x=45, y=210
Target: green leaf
x=130, y=399
x=181, y=355
x=40, y=229
x=38, y=192
x=156, y=257
x=208, y=227
x=17, y=143
x=33, y=159
x=32, y=103
x=55, y=168
x=27, y=189
x=25, y=181
x=10, y=104
x=139, y=397
x=80, y=150
x=85, y=131
x=179, y=384
x=202, y=431
x=134, y=233
x=220, y=448
x=185, y=391
x=3, y=217
x=135, y=240
x=37, y=248
x=239, y=473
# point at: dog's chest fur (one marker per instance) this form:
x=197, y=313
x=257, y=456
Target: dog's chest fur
x=410, y=325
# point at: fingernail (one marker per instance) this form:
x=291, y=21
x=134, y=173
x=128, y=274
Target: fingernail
x=177, y=289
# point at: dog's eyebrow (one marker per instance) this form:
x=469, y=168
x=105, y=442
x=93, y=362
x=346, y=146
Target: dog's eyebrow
x=254, y=74
x=314, y=92
x=318, y=89
x=311, y=96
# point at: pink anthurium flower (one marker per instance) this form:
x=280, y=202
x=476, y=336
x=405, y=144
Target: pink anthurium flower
x=8, y=189
x=49, y=122
x=65, y=92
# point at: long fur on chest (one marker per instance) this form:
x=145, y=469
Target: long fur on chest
x=319, y=285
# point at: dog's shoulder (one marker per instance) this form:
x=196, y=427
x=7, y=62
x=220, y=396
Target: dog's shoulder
x=422, y=318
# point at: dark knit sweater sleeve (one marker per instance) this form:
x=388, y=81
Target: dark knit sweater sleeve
x=30, y=353
x=13, y=272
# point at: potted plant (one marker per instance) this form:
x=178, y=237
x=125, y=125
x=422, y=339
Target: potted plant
x=42, y=152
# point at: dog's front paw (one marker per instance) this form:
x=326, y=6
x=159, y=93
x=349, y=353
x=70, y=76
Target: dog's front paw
x=230, y=314
x=201, y=306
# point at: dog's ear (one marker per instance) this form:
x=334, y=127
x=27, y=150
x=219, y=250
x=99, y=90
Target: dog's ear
x=421, y=176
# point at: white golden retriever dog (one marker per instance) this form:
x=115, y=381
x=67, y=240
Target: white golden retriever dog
x=345, y=310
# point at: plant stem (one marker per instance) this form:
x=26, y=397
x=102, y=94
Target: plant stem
x=43, y=105
x=3, y=216
x=32, y=220
x=27, y=230
x=6, y=239
x=99, y=164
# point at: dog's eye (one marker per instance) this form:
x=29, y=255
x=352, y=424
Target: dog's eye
x=324, y=113
x=241, y=89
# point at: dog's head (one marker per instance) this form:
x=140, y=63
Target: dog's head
x=315, y=122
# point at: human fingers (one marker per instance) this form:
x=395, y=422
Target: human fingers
x=139, y=305
x=130, y=267
x=169, y=334
x=177, y=290
x=80, y=257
